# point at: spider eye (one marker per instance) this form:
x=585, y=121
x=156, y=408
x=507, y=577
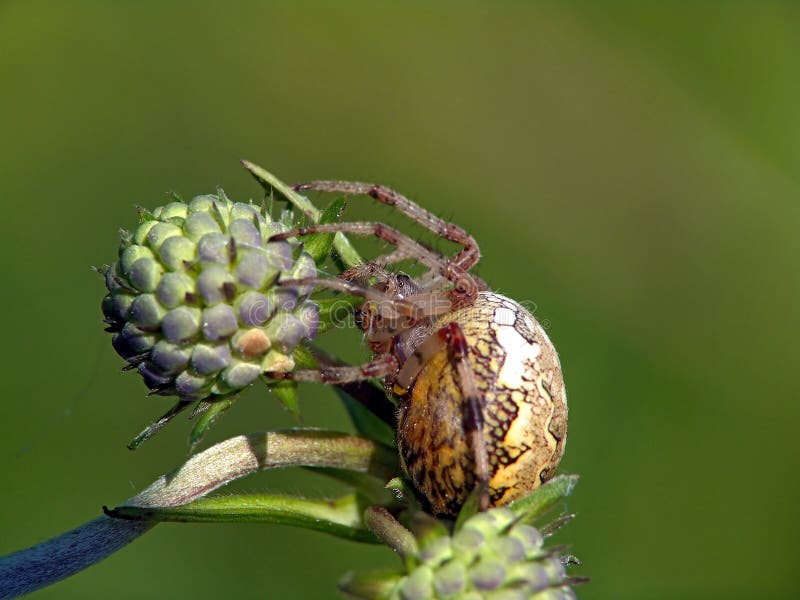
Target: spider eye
x=403, y=279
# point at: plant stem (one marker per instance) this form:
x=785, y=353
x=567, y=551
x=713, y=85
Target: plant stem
x=64, y=555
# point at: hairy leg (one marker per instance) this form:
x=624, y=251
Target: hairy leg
x=465, y=285
x=380, y=366
x=389, y=304
x=465, y=259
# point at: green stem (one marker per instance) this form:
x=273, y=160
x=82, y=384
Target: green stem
x=69, y=553
x=246, y=454
x=389, y=530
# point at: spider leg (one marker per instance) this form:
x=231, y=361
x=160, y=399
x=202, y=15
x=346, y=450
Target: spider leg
x=465, y=259
x=452, y=337
x=406, y=248
x=380, y=366
x=386, y=302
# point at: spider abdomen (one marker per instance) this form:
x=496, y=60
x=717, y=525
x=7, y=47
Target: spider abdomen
x=521, y=388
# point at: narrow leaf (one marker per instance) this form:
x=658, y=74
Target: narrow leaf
x=268, y=181
x=286, y=393
x=370, y=410
x=336, y=311
x=365, y=421
x=471, y=506
x=208, y=419
x=366, y=485
x=537, y=502
x=403, y=492
x=151, y=429
x=341, y=517
x=319, y=245
x=303, y=358
x=370, y=584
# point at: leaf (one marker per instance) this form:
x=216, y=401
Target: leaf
x=403, y=492
x=368, y=486
x=153, y=428
x=537, y=502
x=471, y=506
x=341, y=517
x=145, y=214
x=208, y=419
x=269, y=182
x=286, y=393
x=303, y=358
x=319, y=245
x=349, y=256
x=365, y=421
x=336, y=311
x=370, y=584
x=549, y=529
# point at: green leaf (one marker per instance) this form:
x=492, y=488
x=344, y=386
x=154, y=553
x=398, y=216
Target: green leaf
x=286, y=393
x=366, y=485
x=151, y=429
x=349, y=256
x=341, y=517
x=471, y=506
x=365, y=421
x=145, y=214
x=335, y=311
x=211, y=414
x=537, y=502
x=370, y=584
x=304, y=359
x=403, y=492
x=319, y=245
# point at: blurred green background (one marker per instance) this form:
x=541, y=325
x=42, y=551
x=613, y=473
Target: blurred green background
x=634, y=171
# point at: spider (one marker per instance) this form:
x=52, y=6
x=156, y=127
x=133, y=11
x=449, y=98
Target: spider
x=481, y=399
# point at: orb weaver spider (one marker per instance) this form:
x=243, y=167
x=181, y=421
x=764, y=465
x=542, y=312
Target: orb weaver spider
x=481, y=394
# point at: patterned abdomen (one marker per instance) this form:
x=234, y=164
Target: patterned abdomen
x=519, y=379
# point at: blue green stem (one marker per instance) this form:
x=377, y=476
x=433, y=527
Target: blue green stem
x=59, y=557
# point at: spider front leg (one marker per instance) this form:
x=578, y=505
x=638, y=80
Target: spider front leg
x=465, y=259
x=466, y=288
x=391, y=305
x=381, y=366
x=451, y=338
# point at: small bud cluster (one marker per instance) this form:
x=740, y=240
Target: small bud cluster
x=193, y=302
x=492, y=557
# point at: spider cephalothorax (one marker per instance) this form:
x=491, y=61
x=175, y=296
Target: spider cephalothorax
x=480, y=390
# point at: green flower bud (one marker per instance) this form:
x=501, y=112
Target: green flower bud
x=192, y=301
x=492, y=555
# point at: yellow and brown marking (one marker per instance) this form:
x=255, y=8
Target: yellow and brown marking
x=518, y=376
